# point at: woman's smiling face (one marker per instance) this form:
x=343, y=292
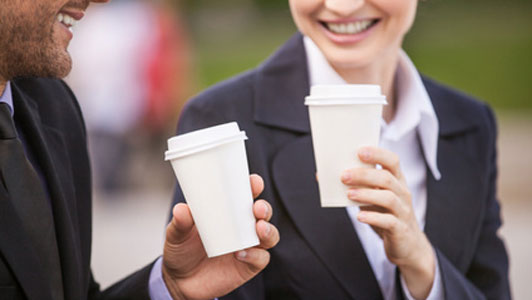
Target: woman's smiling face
x=354, y=33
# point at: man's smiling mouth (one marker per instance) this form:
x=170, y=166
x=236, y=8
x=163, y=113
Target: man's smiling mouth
x=66, y=20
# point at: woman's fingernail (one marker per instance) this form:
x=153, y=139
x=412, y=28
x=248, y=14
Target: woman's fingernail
x=351, y=194
x=365, y=154
x=346, y=176
x=241, y=255
x=362, y=216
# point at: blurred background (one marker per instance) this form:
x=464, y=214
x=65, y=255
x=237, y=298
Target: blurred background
x=145, y=58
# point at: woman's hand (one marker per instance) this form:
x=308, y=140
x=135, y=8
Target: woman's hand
x=388, y=210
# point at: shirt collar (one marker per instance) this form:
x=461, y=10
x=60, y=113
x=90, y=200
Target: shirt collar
x=414, y=109
x=7, y=97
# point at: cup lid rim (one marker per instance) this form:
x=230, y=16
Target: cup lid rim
x=342, y=90
x=346, y=100
x=202, y=146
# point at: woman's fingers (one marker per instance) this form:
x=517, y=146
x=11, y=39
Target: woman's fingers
x=379, y=198
x=387, y=159
x=383, y=221
x=372, y=178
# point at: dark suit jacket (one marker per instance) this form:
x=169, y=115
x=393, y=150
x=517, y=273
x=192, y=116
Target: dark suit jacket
x=48, y=115
x=319, y=255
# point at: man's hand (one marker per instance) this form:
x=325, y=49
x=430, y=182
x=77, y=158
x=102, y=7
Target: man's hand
x=190, y=274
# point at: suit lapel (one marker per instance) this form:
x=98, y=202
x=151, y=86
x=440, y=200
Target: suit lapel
x=19, y=251
x=328, y=231
x=454, y=203
x=52, y=157
x=281, y=85
x=280, y=89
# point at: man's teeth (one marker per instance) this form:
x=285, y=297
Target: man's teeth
x=349, y=28
x=67, y=20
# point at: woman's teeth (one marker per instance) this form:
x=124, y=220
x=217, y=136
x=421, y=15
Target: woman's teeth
x=67, y=20
x=349, y=28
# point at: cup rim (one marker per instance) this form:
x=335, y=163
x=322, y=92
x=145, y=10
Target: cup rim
x=344, y=100
x=200, y=147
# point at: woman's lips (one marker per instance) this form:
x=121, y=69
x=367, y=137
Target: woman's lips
x=348, y=32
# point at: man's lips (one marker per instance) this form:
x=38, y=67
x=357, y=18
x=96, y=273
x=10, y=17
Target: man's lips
x=69, y=18
x=73, y=13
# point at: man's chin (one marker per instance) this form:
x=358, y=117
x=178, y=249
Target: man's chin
x=58, y=68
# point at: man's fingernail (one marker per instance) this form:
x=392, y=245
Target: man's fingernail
x=266, y=210
x=241, y=255
x=268, y=229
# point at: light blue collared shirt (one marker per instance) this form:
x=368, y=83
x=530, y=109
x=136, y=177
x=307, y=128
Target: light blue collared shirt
x=7, y=97
x=158, y=289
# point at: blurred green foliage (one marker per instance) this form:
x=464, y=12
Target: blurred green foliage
x=481, y=47
x=484, y=49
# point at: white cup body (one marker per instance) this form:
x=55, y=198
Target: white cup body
x=215, y=183
x=340, y=126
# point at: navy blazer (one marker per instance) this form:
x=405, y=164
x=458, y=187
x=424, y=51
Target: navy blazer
x=319, y=255
x=47, y=113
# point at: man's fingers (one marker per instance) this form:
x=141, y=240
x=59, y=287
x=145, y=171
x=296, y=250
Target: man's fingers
x=181, y=224
x=268, y=234
x=262, y=210
x=257, y=185
x=256, y=260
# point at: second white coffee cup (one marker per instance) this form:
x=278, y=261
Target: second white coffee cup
x=343, y=118
x=211, y=167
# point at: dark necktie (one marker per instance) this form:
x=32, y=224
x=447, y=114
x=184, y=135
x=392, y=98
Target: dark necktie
x=27, y=194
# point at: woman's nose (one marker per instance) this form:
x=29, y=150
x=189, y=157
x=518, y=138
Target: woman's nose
x=344, y=7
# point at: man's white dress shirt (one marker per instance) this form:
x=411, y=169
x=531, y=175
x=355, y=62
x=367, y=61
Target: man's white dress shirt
x=413, y=136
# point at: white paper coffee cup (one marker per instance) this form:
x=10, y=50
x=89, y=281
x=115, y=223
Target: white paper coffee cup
x=211, y=167
x=343, y=118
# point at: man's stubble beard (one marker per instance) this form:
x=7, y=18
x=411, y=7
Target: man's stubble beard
x=28, y=47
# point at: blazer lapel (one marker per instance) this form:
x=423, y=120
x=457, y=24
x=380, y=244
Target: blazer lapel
x=328, y=231
x=53, y=159
x=18, y=250
x=458, y=195
x=281, y=85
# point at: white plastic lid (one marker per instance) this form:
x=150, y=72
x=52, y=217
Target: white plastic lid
x=345, y=94
x=203, y=139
